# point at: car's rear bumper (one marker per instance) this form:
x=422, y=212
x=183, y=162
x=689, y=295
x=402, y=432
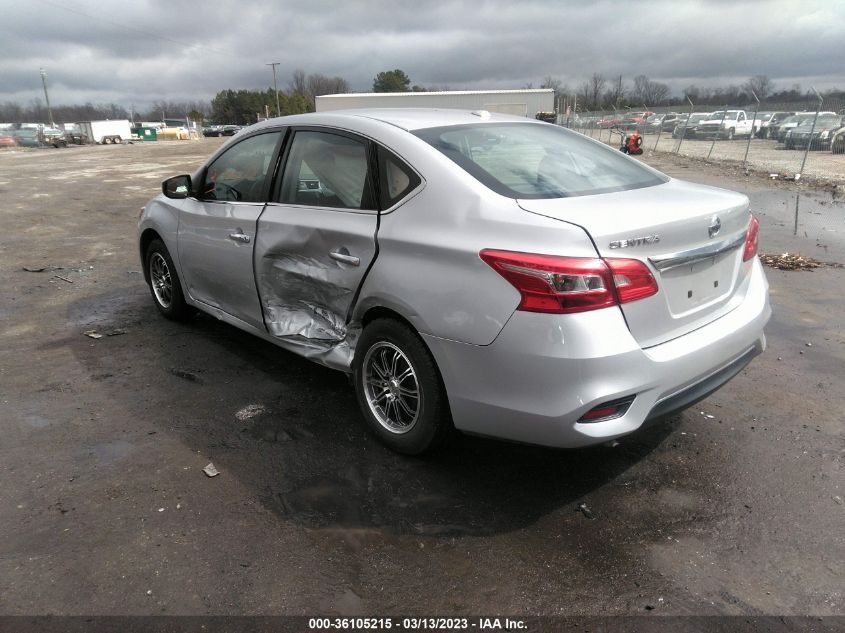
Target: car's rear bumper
x=543, y=372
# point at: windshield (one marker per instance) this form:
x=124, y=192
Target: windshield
x=720, y=113
x=697, y=118
x=520, y=160
x=825, y=121
x=25, y=133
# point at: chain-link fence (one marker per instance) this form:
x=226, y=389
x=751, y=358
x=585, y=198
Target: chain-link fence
x=787, y=141
x=797, y=138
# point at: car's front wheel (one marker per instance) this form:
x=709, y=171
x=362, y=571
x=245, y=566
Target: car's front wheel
x=399, y=389
x=164, y=283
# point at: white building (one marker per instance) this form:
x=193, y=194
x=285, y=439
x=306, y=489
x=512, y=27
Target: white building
x=520, y=102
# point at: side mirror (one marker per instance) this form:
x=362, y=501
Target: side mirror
x=177, y=188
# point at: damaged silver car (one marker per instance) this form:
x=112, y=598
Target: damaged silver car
x=493, y=274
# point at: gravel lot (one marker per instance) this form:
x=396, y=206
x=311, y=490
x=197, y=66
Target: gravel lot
x=732, y=508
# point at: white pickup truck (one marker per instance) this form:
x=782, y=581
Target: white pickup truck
x=726, y=124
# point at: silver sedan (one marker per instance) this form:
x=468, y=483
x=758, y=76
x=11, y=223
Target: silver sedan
x=479, y=272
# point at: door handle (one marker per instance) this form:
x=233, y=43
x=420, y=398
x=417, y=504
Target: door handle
x=346, y=258
x=239, y=237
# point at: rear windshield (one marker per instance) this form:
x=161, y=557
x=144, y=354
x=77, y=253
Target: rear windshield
x=525, y=160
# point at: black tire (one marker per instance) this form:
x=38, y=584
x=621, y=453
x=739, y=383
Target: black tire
x=428, y=426
x=117, y=140
x=165, y=286
x=107, y=140
x=730, y=134
x=788, y=145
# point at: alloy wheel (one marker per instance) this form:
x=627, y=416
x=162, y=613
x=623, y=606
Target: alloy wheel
x=161, y=280
x=391, y=387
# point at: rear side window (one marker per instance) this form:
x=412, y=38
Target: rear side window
x=396, y=179
x=525, y=160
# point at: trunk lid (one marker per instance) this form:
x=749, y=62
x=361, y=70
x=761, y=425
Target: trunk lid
x=672, y=229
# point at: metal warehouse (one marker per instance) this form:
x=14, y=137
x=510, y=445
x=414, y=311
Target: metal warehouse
x=519, y=102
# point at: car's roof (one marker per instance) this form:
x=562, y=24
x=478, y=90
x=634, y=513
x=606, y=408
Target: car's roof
x=404, y=118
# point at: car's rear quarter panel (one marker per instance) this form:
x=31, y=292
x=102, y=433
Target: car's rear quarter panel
x=428, y=268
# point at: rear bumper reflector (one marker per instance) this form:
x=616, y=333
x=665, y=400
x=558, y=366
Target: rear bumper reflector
x=608, y=410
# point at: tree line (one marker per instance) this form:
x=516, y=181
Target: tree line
x=243, y=107
x=608, y=93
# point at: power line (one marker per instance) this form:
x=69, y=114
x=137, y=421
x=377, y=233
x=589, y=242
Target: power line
x=131, y=28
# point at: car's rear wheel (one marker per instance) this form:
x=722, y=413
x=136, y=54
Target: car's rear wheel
x=164, y=283
x=399, y=389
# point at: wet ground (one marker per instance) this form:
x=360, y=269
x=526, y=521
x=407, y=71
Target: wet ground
x=733, y=507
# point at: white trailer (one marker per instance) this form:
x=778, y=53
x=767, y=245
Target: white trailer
x=106, y=132
x=520, y=102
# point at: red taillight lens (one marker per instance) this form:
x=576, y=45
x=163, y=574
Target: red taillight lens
x=563, y=285
x=632, y=278
x=751, y=239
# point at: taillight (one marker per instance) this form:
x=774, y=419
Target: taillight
x=563, y=285
x=751, y=239
x=632, y=278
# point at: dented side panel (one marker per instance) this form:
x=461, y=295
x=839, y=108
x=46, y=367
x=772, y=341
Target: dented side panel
x=306, y=293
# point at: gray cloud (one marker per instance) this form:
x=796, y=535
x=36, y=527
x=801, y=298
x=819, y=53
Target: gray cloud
x=141, y=51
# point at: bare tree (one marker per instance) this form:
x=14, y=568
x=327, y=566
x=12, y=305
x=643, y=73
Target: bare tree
x=298, y=82
x=760, y=85
x=318, y=84
x=596, y=84
x=551, y=82
x=616, y=92
x=649, y=92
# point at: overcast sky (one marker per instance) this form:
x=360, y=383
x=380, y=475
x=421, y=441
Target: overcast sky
x=145, y=50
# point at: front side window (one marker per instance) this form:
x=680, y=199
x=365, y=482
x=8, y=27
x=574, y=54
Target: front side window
x=240, y=173
x=327, y=170
x=524, y=160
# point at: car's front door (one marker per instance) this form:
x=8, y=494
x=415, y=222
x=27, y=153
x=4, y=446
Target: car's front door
x=318, y=238
x=217, y=229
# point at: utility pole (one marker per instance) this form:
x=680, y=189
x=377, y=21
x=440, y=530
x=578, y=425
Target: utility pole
x=47, y=97
x=275, y=86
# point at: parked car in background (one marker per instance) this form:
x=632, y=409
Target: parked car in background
x=757, y=121
x=633, y=120
x=816, y=135
x=774, y=119
x=75, y=135
x=7, y=140
x=687, y=126
x=230, y=130
x=27, y=137
x=509, y=277
x=53, y=137
x=670, y=120
x=652, y=124
x=726, y=125
x=837, y=142
x=798, y=119
x=609, y=121
x=212, y=130
x=663, y=122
